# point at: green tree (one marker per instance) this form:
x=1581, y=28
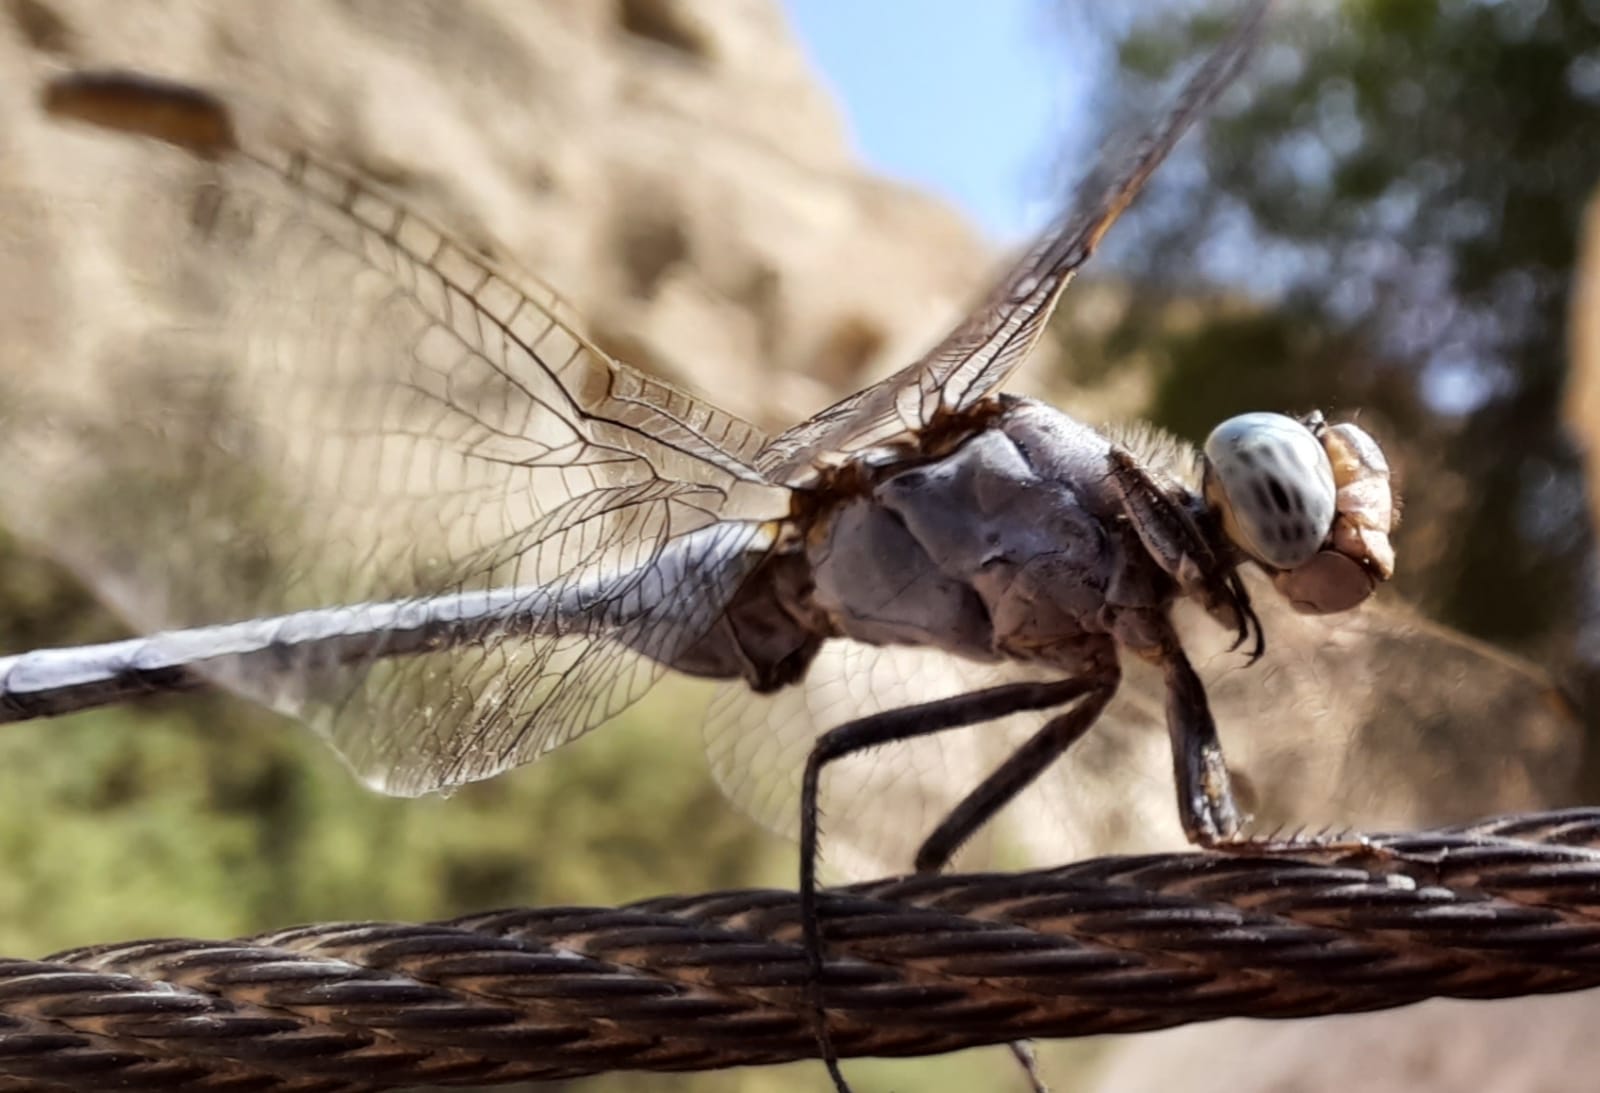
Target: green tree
x=1403, y=181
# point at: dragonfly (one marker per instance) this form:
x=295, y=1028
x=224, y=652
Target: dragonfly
x=342, y=463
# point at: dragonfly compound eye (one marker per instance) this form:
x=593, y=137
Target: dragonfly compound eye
x=1269, y=480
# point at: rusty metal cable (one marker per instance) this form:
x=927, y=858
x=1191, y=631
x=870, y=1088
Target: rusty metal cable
x=916, y=966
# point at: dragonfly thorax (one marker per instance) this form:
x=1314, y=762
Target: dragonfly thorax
x=1012, y=545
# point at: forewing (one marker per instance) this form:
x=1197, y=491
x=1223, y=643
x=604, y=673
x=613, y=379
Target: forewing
x=280, y=389
x=975, y=358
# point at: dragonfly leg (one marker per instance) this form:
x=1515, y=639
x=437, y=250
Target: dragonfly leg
x=1022, y=1051
x=1343, y=847
x=862, y=734
x=1174, y=538
x=1019, y=771
x=1210, y=816
x=1206, y=806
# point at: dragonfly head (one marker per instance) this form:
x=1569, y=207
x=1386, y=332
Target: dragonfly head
x=1309, y=502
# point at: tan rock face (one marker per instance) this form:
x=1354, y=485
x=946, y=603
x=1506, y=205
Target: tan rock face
x=672, y=168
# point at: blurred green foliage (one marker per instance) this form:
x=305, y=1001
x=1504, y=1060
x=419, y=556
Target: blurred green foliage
x=1404, y=181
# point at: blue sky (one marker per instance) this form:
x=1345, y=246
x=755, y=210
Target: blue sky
x=974, y=101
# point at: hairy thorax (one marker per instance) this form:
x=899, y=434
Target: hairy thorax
x=1011, y=545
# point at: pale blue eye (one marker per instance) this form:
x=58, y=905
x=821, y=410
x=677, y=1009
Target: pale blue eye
x=1271, y=483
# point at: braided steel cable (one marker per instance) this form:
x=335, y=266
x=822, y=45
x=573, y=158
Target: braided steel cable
x=916, y=965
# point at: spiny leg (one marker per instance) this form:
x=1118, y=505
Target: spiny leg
x=1206, y=806
x=1174, y=538
x=1019, y=771
x=863, y=734
x=1022, y=1051
x=1210, y=816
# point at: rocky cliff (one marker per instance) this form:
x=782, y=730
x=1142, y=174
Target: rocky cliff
x=672, y=168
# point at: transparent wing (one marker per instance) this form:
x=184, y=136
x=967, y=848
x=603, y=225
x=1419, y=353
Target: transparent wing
x=1377, y=721
x=877, y=806
x=279, y=389
x=977, y=356
x=1381, y=719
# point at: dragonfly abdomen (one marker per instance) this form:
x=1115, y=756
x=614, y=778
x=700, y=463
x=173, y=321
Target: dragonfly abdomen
x=268, y=656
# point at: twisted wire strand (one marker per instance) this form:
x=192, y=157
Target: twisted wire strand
x=916, y=965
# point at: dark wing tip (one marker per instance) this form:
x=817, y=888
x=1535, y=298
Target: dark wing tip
x=129, y=102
